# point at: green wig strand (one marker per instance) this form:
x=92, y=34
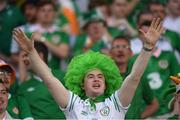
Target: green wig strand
x=83, y=63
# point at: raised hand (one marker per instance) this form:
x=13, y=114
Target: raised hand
x=24, y=42
x=153, y=33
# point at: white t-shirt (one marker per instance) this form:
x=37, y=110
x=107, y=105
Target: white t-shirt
x=164, y=44
x=172, y=24
x=110, y=109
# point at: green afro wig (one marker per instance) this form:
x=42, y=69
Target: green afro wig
x=83, y=63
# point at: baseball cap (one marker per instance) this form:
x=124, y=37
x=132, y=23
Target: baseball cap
x=6, y=67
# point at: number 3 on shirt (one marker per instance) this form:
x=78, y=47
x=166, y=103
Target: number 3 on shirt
x=155, y=81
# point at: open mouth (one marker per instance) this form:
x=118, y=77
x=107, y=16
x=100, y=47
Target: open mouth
x=96, y=85
x=120, y=55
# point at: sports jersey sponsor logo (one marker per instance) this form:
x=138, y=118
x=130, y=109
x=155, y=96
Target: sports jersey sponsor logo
x=163, y=64
x=105, y=111
x=15, y=110
x=56, y=39
x=30, y=89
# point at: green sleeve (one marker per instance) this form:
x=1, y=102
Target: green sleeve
x=18, y=107
x=174, y=39
x=25, y=111
x=174, y=65
x=12, y=107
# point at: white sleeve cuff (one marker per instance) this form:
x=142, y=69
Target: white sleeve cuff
x=119, y=102
x=69, y=101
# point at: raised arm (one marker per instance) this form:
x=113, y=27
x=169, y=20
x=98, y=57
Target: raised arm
x=132, y=80
x=58, y=91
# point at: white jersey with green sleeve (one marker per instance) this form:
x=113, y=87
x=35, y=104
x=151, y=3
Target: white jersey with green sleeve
x=79, y=109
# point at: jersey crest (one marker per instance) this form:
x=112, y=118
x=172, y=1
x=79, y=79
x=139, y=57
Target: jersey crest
x=105, y=111
x=15, y=110
x=56, y=39
x=163, y=64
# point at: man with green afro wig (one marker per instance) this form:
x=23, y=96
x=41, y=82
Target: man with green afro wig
x=80, y=66
x=92, y=79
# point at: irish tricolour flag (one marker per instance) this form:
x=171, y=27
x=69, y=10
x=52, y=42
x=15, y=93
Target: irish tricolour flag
x=68, y=9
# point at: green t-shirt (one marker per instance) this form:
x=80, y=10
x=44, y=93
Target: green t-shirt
x=142, y=5
x=143, y=94
x=10, y=18
x=56, y=38
x=40, y=100
x=157, y=74
x=82, y=39
x=80, y=44
x=18, y=107
x=174, y=38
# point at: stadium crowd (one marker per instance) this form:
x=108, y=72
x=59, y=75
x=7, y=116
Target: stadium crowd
x=63, y=29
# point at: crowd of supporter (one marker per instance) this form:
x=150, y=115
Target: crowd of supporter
x=63, y=29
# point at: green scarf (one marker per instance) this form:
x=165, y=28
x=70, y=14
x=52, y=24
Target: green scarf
x=93, y=102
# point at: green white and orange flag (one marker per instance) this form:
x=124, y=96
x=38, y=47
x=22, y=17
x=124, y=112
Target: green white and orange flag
x=68, y=10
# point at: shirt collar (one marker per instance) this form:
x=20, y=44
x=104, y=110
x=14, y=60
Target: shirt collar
x=51, y=29
x=157, y=52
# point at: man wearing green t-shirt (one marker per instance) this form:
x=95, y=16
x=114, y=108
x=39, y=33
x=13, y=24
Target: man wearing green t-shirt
x=159, y=10
x=161, y=65
x=29, y=10
x=10, y=17
x=119, y=10
x=36, y=93
x=17, y=106
x=97, y=36
x=121, y=53
x=51, y=35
